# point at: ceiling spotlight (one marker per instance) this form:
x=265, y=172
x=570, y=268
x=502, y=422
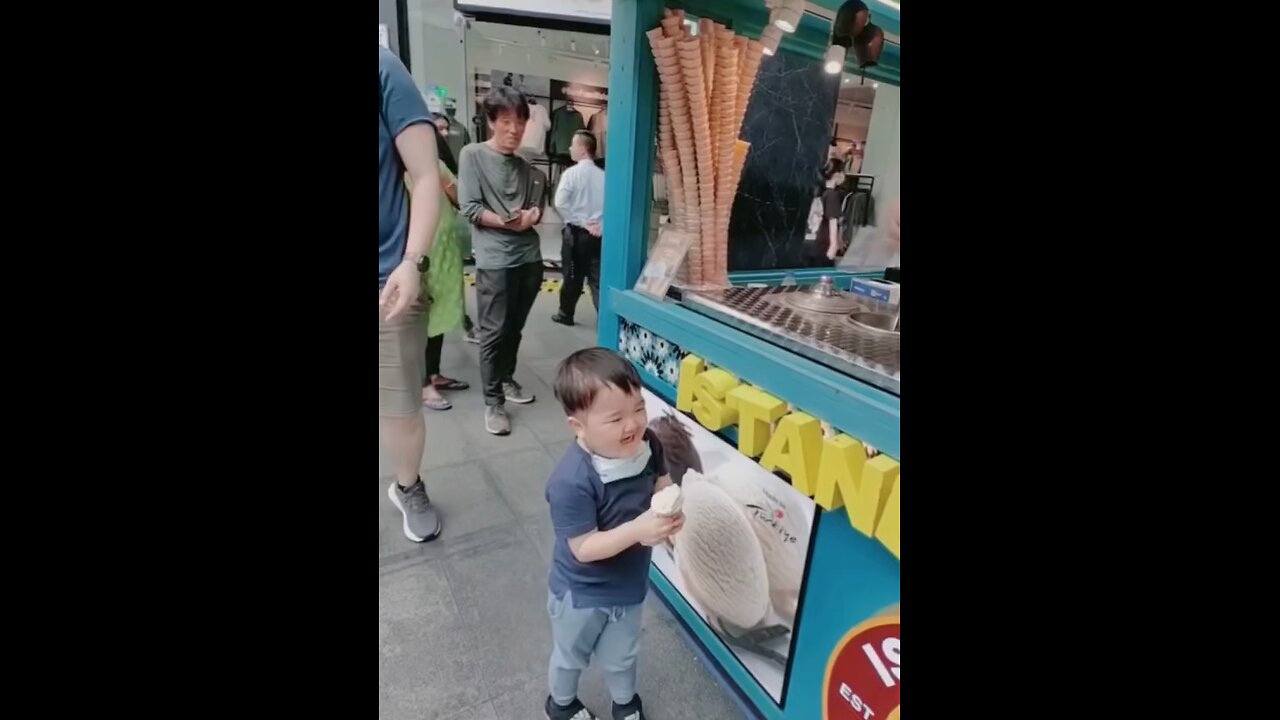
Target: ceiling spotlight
x=875, y=86
x=595, y=49
x=833, y=61
x=770, y=38
x=850, y=18
x=788, y=15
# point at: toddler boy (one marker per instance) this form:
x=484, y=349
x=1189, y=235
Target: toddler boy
x=599, y=496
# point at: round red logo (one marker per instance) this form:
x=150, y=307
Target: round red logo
x=864, y=673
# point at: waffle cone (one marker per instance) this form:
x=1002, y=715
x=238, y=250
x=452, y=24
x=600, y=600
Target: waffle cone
x=707, y=36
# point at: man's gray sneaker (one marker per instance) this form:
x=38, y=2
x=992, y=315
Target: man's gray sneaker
x=496, y=420
x=421, y=521
x=515, y=393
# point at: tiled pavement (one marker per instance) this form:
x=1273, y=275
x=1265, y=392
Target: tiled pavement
x=462, y=624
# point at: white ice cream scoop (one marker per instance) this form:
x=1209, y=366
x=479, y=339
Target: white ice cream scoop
x=667, y=501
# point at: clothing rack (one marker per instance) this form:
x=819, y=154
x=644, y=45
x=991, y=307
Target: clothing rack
x=858, y=207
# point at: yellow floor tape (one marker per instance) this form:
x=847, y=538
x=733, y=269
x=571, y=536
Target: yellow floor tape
x=550, y=285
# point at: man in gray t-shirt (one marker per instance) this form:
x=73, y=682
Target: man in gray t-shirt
x=502, y=195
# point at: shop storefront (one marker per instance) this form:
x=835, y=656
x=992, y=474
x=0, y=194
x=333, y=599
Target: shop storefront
x=781, y=391
x=557, y=54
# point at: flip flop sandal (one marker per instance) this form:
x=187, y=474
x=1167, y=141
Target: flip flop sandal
x=438, y=405
x=451, y=384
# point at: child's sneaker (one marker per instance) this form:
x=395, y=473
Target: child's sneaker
x=572, y=711
x=631, y=711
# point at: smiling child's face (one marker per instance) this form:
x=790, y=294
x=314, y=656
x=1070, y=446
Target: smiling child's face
x=613, y=426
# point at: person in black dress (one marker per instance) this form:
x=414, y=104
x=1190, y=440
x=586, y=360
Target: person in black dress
x=823, y=250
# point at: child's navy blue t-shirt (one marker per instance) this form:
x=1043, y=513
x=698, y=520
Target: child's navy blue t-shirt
x=581, y=503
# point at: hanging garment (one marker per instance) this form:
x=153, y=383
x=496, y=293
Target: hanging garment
x=457, y=137
x=535, y=132
x=598, y=125
x=565, y=121
x=858, y=208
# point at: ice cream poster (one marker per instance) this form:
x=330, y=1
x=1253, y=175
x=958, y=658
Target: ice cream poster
x=741, y=558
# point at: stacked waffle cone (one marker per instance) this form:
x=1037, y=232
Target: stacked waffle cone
x=706, y=83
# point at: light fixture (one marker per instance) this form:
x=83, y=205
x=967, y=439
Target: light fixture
x=770, y=38
x=852, y=27
x=875, y=86
x=595, y=49
x=850, y=18
x=868, y=45
x=833, y=61
x=788, y=15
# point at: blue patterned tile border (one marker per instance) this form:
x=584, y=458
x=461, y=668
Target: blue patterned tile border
x=657, y=355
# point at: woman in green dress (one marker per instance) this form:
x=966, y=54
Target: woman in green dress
x=443, y=284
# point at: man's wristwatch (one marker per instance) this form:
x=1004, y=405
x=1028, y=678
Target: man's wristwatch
x=420, y=260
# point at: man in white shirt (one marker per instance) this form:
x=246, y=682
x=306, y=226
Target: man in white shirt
x=580, y=202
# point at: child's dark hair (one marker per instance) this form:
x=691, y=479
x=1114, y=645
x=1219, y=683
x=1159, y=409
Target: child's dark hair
x=582, y=375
